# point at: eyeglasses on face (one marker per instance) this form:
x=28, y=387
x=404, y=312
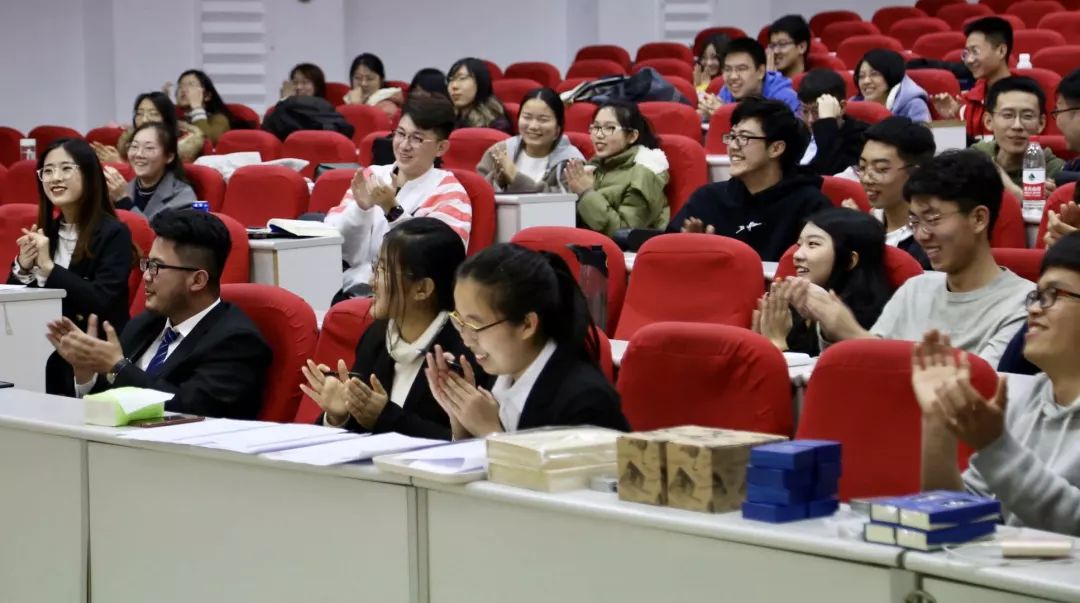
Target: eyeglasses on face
x=467, y=327
x=929, y=224
x=152, y=267
x=1048, y=296
x=605, y=129
x=871, y=173
x=414, y=139
x=61, y=172
x=1057, y=112
x=740, y=140
x=1028, y=118
x=781, y=45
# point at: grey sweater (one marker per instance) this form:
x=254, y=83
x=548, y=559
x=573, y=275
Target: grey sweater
x=552, y=180
x=1034, y=467
x=981, y=322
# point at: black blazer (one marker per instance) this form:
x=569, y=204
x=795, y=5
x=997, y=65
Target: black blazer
x=572, y=392
x=219, y=370
x=419, y=415
x=97, y=284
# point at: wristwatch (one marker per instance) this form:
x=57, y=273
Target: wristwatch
x=394, y=213
x=119, y=366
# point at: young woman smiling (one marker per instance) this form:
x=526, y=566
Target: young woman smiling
x=368, y=77
x=469, y=85
x=156, y=107
x=159, y=174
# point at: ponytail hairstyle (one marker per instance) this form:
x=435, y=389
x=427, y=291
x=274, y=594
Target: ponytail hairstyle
x=520, y=281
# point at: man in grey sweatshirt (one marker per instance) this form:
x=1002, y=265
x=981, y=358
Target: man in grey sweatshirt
x=955, y=198
x=1027, y=451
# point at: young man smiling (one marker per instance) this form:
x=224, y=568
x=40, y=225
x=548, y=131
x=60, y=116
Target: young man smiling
x=383, y=196
x=955, y=198
x=789, y=43
x=745, y=76
x=768, y=198
x=986, y=53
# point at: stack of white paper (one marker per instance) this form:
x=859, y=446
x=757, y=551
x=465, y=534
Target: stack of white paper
x=179, y=434
x=463, y=457
x=271, y=438
x=360, y=448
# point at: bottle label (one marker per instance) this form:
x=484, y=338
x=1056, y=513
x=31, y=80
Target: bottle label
x=1034, y=185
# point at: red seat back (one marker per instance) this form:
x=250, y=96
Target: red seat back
x=1009, y=229
x=494, y=70
x=512, y=90
x=556, y=239
x=1032, y=11
x=287, y=324
x=839, y=189
x=835, y=33
x=821, y=20
x=143, y=237
x=570, y=83
x=365, y=119
x=870, y=112
x=685, y=88
x=579, y=116
x=705, y=34
x=667, y=67
x=907, y=31
x=899, y=265
x=852, y=49
x=364, y=153
x=939, y=44
x=956, y=14
x=664, y=50
x=728, y=377
x=825, y=60
x=335, y=92
x=1059, y=197
x=106, y=135
x=257, y=193
x=583, y=142
x=21, y=183
x=482, y=199
x=594, y=68
x=245, y=113
x=687, y=170
x=319, y=146
x=1067, y=24
x=607, y=52
x=931, y=7
x=676, y=265
x=45, y=135
x=672, y=118
x=208, y=184
x=1058, y=144
x=1061, y=60
x=468, y=145
x=330, y=189
x=13, y=219
x=715, y=85
x=1026, y=263
x=935, y=81
x=719, y=124
x=998, y=6
x=342, y=327
x=886, y=16
x=860, y=395
x=9, y=145
x=1031, y=41
x=539, y=71
x=238, y=141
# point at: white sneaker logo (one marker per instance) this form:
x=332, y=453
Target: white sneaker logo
x=749, y=227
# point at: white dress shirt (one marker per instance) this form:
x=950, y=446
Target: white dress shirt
x=409, y=357
x=512, y=395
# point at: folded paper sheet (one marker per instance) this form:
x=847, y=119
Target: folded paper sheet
x=122, y=405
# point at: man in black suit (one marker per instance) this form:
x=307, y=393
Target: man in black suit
x=188, y=342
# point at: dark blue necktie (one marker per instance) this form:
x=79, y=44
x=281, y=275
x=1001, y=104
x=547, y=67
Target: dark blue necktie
x=163, y=350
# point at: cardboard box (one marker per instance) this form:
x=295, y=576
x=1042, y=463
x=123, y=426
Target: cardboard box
x=706, y=468
x=642, y=467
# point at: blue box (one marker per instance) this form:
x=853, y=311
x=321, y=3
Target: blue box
x=822, y=508
x=782, y=455
x=778, y=478
x=827, y=472
x=826, y=488
x=778, y=496
x=825, y=451
x=773, y=513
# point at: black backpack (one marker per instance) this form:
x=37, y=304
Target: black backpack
x=305, y=113
x=645, y=85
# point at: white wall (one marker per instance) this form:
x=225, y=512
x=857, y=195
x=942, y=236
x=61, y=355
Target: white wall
x=82, y=62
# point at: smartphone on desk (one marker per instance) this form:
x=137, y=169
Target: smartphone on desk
x=176, y=419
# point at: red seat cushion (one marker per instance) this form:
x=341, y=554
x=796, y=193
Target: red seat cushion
x=257, y=193
x=687, y=169
x=238, y=141
x=208, y=184
x=468, y=145
x=319, y=146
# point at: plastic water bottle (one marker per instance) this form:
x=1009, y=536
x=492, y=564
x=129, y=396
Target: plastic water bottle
x=1034, y=178
x=28, y=149
x=1024, y=62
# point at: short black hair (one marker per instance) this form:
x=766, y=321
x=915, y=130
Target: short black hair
x=997, y=31
x=967, y=178
x=314, y=73
x=430, y=80
x=435, y=113
x=914, y=144
x=778, y=123
x=1063, y=254
x=748, y=46
x=1015, y=83
x=372, y=62
x=1069, y=87
x=794, y=26
x=201, y=239
x=819, y=82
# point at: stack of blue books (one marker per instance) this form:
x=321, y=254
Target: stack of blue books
x=789, y=481
x=930, y=520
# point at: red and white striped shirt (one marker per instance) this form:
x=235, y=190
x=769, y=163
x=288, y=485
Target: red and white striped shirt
x=436, y=194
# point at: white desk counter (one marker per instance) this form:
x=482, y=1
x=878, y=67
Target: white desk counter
x=719, y=167
x=516, y=212
x=24, y=314
x=309, y=267
x=589, y=546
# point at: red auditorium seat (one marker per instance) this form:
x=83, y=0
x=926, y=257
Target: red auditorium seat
x=931, y=7
x=513, y=110
x=715, y=85
x=318, y=146
x=579, y=116
x=545, y=73
x=106, y=135
x=899, y=265
x=287, y=324
x=1059, y=197
x=664, y=50
x=239, y=141
x=998, y=6
x=729, y=377
x=852, y=49
x=935, y=81
x=685, y=88
x=907, y=31
x=1057, y=144
x=677, y=264
x=143, y=237
x=1031, y=11
x=938, y=44
x=956, y=14
x=557, y=239
x=672, y=118
x=860, y=395
x=208, y=184
x=719, y=124
x=687, y=170
x=330, y=189
x=494, y=70
x=571, y=83
x=257, y=193
x=468, y=145
x=1009, y=229
x=594, y=68
x=1061, y=60
x=364, y=151
x=482, y=199
x=867, y=111
x=14, y=217
x=583, y=142
x=886, y=16
x=9, y=145
x=21, y=183
x=821, y=20
x=3, y=177
x=731, y=32
x=245, y=113
x=335, y=92
x=1024, y=262
x=825, y=61
x=365, y=119
x=839, y=189
x=342, y=327
x=836, y=33
x=1031, y=41
x=1067, y=24
x=607, y=52
x=44, y=135
x=512, y=90
x=667, y=67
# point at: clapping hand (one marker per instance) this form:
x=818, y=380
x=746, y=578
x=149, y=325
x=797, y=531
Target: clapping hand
x=504, y=166
x=695, y=225
x=1061, y=222
x=115, y=182
x=578, y=179
x=772, y=318
x=35, y=237
x=85, y=352
x=947, y=105
x=473, y=411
